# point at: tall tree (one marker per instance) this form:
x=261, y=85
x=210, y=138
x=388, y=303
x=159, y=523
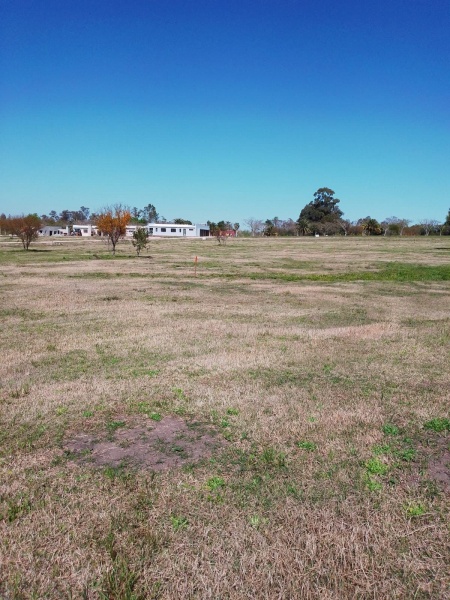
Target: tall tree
x=66, y=216
x=113, y=222
x=323, y=209
x=150, y=214
x=269, y=228
x=370, y=226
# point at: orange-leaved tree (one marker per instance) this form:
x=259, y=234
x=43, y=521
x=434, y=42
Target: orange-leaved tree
x=113, y=222
x=25, y=228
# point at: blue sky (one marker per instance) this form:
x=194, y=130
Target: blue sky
x=214, y=109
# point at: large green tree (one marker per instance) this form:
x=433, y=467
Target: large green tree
x=320, y=212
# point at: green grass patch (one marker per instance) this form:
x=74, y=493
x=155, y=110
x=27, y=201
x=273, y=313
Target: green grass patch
x=438, y=424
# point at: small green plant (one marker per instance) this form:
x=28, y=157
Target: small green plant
x=294, y=491
x=61, y=410
x=179, y=393
x=373, y=485
x=179, y=522
x=88, y=413
x=390, y=429
x=256, y=521
x=271, y=457
x=155, y=416
x=232, y=411
x=438, y=424
x=119, y=581
x=224, y=423
x=113, y=472
x=18, y=507
x=309, y=446
x=408, y=454
x=214, y=483
x=374, y=466
x=111, y=426
x=414, y=510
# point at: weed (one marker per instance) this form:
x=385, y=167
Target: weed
x=179, y=393
x=294, y=491
x=224, y=423
x=256, y=521
x=119, y=582
x=438, y=424
x=390, y=429
x=88, y=413
x=155, y=416
x=373, y=485
x=179, y=522
x=309, y=446
x=270, y=456
x=214, y=483
x=232, y=411
x=381, y=449
x=61, y=410
x=18, y=507
x=407, y=455
x=374, y=466
x=116, y=472
x=414, y=510
x=112, y=426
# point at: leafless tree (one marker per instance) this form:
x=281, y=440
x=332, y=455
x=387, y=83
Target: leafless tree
x=255, y=225
x=429, y=225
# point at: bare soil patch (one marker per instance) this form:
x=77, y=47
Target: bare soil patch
x=166, y=444
x=439, y=465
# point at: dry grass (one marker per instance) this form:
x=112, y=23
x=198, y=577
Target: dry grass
x=324, y=484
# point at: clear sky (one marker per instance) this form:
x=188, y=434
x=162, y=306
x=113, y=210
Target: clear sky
x=225, y=109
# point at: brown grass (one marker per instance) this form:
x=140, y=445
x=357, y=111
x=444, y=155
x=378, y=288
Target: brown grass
x=267, y=366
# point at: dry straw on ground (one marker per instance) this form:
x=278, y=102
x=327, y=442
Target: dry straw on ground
x=276, y=427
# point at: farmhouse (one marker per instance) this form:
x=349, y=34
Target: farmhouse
x=51, y=230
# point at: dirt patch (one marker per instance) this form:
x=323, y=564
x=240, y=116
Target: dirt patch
x=434, y=465
x=171, y=442
x=439, y=465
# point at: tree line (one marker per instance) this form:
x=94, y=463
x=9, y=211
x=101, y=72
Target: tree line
x=322, y=216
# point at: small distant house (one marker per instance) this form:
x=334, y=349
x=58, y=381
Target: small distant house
x=50, y=230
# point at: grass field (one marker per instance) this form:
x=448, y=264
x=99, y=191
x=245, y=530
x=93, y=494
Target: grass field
x=276, y=427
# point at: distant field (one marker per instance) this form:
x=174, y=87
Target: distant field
x=275, y=427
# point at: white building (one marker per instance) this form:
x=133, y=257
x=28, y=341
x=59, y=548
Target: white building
x=176, y=230
x=50, y=230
